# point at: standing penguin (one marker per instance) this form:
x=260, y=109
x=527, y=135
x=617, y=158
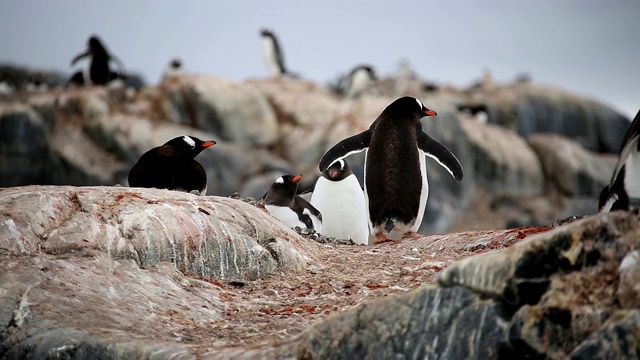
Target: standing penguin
x=272, y=53
x=98, y=71
x=172, y=166
x=282, y=203
x=396, y=186
x=339, y=197
x=359, y=79
x=624, y=188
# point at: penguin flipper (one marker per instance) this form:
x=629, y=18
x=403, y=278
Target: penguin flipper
x=441, y=154
x=630, y=146
x=351, y=145
x=80, y=56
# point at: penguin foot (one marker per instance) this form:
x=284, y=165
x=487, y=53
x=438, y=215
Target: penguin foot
x=381, y=238
x=411, y=235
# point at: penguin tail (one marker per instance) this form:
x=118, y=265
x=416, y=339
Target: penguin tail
x=390, y=224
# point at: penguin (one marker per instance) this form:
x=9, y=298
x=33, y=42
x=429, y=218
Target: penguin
x=272, y=53
x=339, y=197
x=174, y=70
x=396, y=186
x=359, y=79
x=172, y=166
x=98, y=71
x=624, y=188
x=282, y=203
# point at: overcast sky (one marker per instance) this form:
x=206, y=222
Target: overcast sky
x=591, y=47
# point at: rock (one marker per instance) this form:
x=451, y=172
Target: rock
x=25, y=152
x=237, y=112
x=569, y=167
x=530, y=109
x=103, y=272
x=209, y=237
x=503, y=162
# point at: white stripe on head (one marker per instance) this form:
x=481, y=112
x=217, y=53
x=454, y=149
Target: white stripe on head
x=189, y=141
x=419, y=103
x=280, y=180
x=341, y=164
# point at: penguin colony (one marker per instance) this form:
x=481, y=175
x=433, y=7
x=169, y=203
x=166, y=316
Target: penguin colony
x=396, y=187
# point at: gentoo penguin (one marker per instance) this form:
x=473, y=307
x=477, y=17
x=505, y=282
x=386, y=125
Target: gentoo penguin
x=174, y=70
x=396, y=186
x=98, y=70
x=359, y=79
x=339, y=197
x=282, y=203
x=172, y=166
x=272, y=53
x=624, y=188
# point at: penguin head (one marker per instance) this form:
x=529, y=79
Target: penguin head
x=285, y=187
x=266, y=32
x=337, y=171
x=408, y=108
x=95, y=45
x=175, y=64
x=189, y=144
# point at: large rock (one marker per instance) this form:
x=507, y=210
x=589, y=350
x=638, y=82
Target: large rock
x=237, y=112
x=503, y=161
x=530, y=109
x=569, y=167
x=25, y=152
x=210, y=237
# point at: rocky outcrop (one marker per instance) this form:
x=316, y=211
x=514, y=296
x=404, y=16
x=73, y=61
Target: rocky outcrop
x=111, y=272
x=236, y=112
x=503, y=162
x=530, y=109
x=556, y=295
x=569, y=167
x=269, y=127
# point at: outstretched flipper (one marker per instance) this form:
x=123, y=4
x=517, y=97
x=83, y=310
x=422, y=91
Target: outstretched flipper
x=441, y=154
x=80, y=56
x=351, y=145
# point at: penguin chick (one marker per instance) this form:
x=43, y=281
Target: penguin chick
x=282, y=203
x=339, y=197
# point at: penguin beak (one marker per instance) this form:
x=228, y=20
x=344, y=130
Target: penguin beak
x=296, y=178
x=206, y=144
x=429, y=112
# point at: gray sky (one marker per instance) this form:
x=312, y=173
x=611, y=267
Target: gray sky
x=591, y=47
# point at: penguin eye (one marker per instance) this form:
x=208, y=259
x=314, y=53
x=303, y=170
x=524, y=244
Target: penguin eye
x=280, y=180
x=189, y=141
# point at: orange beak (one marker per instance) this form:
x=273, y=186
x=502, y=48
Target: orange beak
x=206, y=144
x=430, y=112
x=296, y=178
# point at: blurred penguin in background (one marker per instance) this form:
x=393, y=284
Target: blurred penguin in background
x=98, y=71
x=272, y=53
x=359, y=80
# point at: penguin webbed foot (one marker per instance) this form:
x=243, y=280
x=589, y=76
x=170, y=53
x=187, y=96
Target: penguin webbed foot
x=381, y=238
x=411, y=235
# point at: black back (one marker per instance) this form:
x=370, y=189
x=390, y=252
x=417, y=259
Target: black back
x=393, y=163
x=99, y=68
x=171, y=166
